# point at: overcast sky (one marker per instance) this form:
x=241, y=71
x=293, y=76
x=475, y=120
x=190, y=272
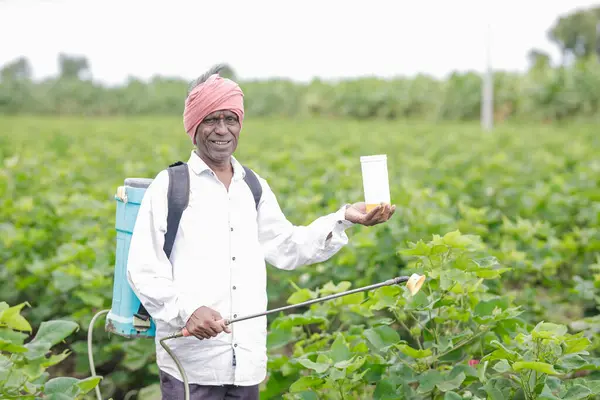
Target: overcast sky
x=265, y=38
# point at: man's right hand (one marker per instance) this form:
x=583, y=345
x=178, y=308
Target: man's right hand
x=206, y=323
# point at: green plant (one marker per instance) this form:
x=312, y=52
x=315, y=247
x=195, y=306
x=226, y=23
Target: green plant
x=430, y=346
x=530, y=366
x=23, y=365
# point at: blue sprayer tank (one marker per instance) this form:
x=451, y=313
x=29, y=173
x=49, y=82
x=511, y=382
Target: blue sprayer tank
x=121, y=318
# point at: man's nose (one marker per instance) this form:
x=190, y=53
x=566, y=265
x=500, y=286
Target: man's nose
x=221, y=127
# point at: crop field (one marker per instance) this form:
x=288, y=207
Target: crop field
x=505, y=225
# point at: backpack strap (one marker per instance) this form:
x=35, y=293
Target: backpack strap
x=178, y=199
x=178, y=196
x=254, y=184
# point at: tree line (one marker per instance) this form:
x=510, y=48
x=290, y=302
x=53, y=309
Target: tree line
x=544, y=92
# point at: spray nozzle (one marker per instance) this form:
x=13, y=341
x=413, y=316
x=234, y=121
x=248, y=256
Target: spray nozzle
x=414, y=283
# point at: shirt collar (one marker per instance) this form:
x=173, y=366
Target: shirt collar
x=198, y=165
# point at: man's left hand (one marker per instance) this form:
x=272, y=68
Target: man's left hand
x=357, y=213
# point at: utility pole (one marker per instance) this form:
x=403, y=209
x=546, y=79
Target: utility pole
x=598, y=40
x=487, y=103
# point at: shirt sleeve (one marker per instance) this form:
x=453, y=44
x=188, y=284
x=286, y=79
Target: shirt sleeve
x=149, y=271
x=287, y=246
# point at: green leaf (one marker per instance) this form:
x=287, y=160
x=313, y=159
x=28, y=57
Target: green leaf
x=384, y=390
x=90, y=298
x=138, y=353
x=150, y=392
x=414, y=353
x=382, y=337
x=300, y=296
x=502, y=366
x=55, y=359
x=353, y=299
x=576, y=343
x=6, y=345
x=59, y=396
x=547, y=330
x=577, y=392
x=292, y=320
x=429, y=380
x=418, y=249
x=498, y=388
x=318, y=367
x=386, y=296
x=277, y=338
x=451, y=384
x=501, y=353
x=54, y=332
x=305, y=383
x=63, y=385
x=542, y=367
x=12, y=318
x=10, y=336
x=457, y=240
x=571, y=362
x=330, y=288
x=308, y=396
x=452, y=396
x=486, y=308
x=88, y=384
x=339, y=350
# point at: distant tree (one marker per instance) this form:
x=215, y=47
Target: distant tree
x=18, y=69
x=73, y=67
x=575, y=34
x=538, y=59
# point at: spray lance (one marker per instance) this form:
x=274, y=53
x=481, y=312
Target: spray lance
x=413, y=283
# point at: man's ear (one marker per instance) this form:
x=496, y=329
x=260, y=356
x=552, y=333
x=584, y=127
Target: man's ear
x=196, y=135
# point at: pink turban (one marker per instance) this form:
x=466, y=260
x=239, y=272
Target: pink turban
x=216, y=93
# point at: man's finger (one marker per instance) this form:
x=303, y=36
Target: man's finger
x=224, y=326
x=209, y=329
x=373, y=212
x=216, y=327
x=387, y=213
x=376, y=216
x=200, y=334
x=392, y=211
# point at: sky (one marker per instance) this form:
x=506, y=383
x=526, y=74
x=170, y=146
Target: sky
x=300, y=40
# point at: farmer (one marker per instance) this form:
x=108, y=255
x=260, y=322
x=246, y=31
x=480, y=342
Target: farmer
x=217, y=266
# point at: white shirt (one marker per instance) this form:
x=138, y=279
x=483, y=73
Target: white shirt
x=218, y=261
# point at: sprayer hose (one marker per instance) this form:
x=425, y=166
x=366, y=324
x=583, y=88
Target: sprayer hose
x=90, y=353
x=179, y=366
x=162, y=343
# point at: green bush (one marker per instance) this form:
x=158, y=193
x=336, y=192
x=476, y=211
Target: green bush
x=23, y=365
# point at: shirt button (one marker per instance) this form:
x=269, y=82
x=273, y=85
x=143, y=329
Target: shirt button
x=235, y=345
x=234, y=288
x=234, y=315
x=233, y=258
x=231, y=229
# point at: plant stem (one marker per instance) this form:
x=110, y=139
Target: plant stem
x=460, y=344
x=341, y=391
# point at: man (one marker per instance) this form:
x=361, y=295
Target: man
x=217, y=265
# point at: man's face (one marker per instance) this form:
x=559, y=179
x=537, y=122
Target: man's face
x=217, y=136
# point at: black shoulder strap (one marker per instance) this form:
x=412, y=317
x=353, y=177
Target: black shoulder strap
x=254, y=184
x=178, y=198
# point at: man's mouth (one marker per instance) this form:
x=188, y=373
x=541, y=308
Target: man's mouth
x=221, y=142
